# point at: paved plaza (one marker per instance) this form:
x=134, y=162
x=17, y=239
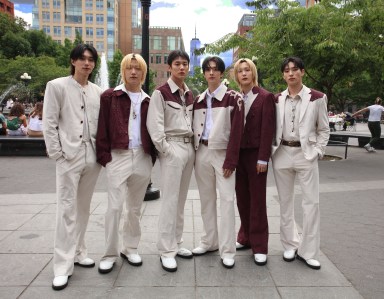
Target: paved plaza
x=351, y=247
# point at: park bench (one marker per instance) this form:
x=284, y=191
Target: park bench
x=22, y=146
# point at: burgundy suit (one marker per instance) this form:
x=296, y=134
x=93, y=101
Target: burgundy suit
x=256, y=144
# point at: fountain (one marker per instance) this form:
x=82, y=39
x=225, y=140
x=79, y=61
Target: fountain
x=102, y=78
x=8, y=91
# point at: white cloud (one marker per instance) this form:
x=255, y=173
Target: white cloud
x=213, y=18
x=26, y=16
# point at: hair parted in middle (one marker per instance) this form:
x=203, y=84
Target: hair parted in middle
x=252, y=67
x=126, y=63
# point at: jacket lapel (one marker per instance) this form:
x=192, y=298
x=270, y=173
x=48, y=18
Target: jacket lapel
x=306, y=97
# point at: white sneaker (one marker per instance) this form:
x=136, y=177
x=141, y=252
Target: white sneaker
x=228, y=263
x=168, y=263
x=200, y=251
x=86, y=263
x=133, y=259
x=289, y=255
x=367, y=146
x=240, y=246
x=260, y=259
x=311, y=263
x=371, y=150
x=60, y=282
x=184, y=253
x=106, y=266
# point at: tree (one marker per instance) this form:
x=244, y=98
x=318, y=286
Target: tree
x=41, y=43
x=10, y=24
x=338, y=40
x=114, y=68
x=14, y=45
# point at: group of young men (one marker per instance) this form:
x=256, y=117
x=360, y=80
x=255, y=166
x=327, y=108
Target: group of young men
x=226, y=136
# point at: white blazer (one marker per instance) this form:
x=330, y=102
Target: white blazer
x=313, y=122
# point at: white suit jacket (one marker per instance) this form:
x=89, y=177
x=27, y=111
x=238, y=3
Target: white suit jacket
x=63, y=116
x=313, y=122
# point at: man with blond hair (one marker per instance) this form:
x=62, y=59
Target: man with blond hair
x=124, y=148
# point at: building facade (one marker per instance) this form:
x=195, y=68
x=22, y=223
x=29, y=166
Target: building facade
x=162, y=40
x=95, y=20
x=7, y=7
x=128, y=19
x=246, y=23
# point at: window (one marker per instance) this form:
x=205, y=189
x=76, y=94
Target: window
x=110, y=33
x=45, y=3
x=152, y=58
x=171, y=43
x=99, y=19
x=158, y=58
x=88, y=18
x=56, y=3
x=99, y=32
x=45, y=15
x=99, y=4
x=165, y=59
x=88, y=4
x=47, y=29
x=137, y=42
x=57, y=41
x=79, y=30
x=89, y=32
x=56, y=17
x=56, y=30
x=67, y=31
x=89, y=42
x=156, y=42
x=100, y=46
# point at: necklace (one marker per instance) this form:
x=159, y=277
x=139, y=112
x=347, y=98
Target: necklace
x=135, y=102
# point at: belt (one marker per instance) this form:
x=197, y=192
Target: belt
x=291, y=143
x=180, y=139
x=204, y=141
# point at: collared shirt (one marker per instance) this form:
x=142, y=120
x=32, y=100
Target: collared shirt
x=134, y=117
x=291, y=117
x=209, y=118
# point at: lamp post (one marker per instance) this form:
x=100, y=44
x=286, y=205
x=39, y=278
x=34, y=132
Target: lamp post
x=146, y=4
x=26, y=78
x=151, y=193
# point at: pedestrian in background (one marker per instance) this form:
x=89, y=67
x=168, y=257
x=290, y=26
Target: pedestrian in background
x=170, y=126
x=218, y=123
x=70, y=114
x=302, y=133
x=374, y=123
x=252, y=169
x=124, y=148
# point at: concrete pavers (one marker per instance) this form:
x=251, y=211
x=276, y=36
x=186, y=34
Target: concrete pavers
x=26, y=244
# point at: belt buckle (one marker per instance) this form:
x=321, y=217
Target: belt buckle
x=291, y=143
x=187, y=139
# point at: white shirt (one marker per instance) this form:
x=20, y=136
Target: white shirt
x=209, y=119
x=291, y=118
x=35, y=124
x=375, y=112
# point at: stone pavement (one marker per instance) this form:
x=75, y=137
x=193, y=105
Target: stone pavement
x=26, y=240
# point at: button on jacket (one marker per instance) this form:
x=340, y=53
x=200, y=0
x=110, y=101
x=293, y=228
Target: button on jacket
x=115, y=106
x=64, y=135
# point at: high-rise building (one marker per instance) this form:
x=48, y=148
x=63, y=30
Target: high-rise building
x=246, y=23
x=162, y=40
x=7, y=7
x=95, y=20
x=195, y=59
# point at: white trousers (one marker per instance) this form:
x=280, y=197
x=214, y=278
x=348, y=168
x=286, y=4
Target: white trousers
x=128, y=176
x=75, y=182
x=288, y=164
x=176, y=171
x=209, y=175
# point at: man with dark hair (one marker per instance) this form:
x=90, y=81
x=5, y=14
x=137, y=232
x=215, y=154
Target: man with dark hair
x=218, y=123
x=71, y=111
x=169, y=123
x=302, y=133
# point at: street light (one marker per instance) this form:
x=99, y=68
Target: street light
x=151, y=193
x=25, y=78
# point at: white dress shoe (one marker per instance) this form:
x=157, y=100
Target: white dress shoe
x=200, y=251
x=86, y=263
x=240, y=246
x=133, y=259
x=260, y=259
x=228, y=263
x=106, y=266
x=289, y=255
x=311, y=263
x=168, y=263
x=184, y=253
x=60, y=282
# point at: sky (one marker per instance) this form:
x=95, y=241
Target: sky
x=213, y=18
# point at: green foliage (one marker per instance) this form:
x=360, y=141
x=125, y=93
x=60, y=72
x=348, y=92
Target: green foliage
x=114, y=68
x=14, y=45
x=341, y=43
x=196, y=83
x=41, y=44
x=8, y=24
